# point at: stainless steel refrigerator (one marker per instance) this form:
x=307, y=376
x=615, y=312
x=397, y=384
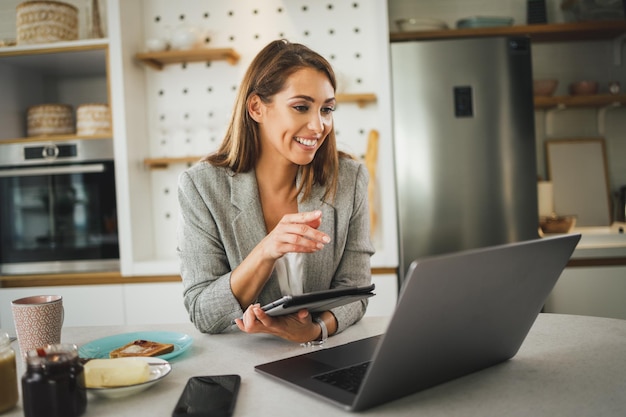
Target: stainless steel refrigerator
x=464, y=144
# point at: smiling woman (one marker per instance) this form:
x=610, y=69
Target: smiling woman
x=275, y=200
x=297, y=120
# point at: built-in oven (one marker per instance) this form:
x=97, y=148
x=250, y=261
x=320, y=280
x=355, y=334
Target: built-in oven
x=58, y=207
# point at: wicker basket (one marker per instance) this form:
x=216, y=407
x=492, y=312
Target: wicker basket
x=46, y=21
x=50, y=119
x=93, y=119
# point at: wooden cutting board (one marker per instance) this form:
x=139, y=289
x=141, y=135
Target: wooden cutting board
x=371, y=160
x=578, y=171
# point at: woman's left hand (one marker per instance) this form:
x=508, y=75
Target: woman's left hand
x=297, y=327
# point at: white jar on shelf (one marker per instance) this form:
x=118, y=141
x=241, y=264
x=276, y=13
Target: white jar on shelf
x=93, y=119
x=184, y=37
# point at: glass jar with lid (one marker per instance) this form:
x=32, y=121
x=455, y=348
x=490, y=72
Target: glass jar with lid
x=54, y=382
x=8, y=374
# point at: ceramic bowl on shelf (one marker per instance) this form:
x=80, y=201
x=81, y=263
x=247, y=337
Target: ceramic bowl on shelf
x=156, y=45
x=184, y=37
x=414, y=24
x=545, y=87
x=557, y=224
x=583, y=88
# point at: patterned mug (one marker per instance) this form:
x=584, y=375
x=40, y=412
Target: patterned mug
x=38, y=321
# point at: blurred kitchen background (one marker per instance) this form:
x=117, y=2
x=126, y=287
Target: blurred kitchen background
x=168, y=108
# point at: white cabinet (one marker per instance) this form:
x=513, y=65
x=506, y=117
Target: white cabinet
x=591, y=291
x=384, y=302
x=85, y=305
x=155, y=303
x=139, y=304
x=96, y=305
x=71, y=73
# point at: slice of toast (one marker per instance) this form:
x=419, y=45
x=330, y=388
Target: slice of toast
x=141, y=348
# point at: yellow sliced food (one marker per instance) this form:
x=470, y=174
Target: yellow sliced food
x=118, y=372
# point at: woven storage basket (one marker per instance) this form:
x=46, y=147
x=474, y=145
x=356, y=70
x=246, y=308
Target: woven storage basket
x=93, y=119
x=50, y=119
x=46, y=21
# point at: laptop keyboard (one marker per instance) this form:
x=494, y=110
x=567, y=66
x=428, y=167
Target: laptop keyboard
x=348, y=379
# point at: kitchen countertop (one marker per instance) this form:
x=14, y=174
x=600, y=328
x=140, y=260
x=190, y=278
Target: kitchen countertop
x=601, y=242
x=568, y=365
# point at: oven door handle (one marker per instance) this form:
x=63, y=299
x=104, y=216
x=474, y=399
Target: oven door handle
x=68, y=169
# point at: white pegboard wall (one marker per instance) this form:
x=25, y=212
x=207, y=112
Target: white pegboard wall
x=188, y=105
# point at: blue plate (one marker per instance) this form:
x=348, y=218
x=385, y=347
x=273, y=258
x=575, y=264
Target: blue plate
x=100, y=348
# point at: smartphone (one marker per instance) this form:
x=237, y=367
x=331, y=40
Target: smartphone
x=208, y=396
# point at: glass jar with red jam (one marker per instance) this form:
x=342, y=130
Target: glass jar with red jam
x=54, y=382
x=8, y=374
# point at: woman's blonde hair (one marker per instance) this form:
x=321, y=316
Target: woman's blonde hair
x=266, y=76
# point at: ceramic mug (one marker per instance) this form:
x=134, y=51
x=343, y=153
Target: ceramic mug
x=38, y=321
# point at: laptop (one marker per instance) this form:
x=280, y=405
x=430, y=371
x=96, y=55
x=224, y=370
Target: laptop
x=456, y=314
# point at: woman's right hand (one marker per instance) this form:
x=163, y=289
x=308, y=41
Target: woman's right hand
x=295, y=232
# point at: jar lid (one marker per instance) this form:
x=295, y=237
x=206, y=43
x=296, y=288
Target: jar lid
x=5, y=340
x=52, y=355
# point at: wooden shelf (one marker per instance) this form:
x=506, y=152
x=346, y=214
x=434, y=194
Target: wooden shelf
x=558, y=32
x=161, y=163
x=360, y=99
x=596, y=100
x=54, y=47
x=158, y=60
x=69, y=59
x=86, y=278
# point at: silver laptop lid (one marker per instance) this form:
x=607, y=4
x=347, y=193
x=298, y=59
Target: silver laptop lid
x=461, y=313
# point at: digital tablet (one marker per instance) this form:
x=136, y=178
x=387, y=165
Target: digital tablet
x=318, y=301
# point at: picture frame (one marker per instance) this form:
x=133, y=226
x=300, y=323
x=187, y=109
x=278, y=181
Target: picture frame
x=578, y=171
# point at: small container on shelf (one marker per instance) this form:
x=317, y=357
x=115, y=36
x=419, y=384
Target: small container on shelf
x=93, y=119
x=157, y=45
x=557, y=224
x=593, y=10
x=412, y=24
x=50, y=119
x=544, y=87
x=614, y=87
x=484, y=22
x=46, y=21
x=184, y=37
x=536, y=12
x=583, y=88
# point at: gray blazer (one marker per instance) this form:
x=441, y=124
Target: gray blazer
x=222, y=221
